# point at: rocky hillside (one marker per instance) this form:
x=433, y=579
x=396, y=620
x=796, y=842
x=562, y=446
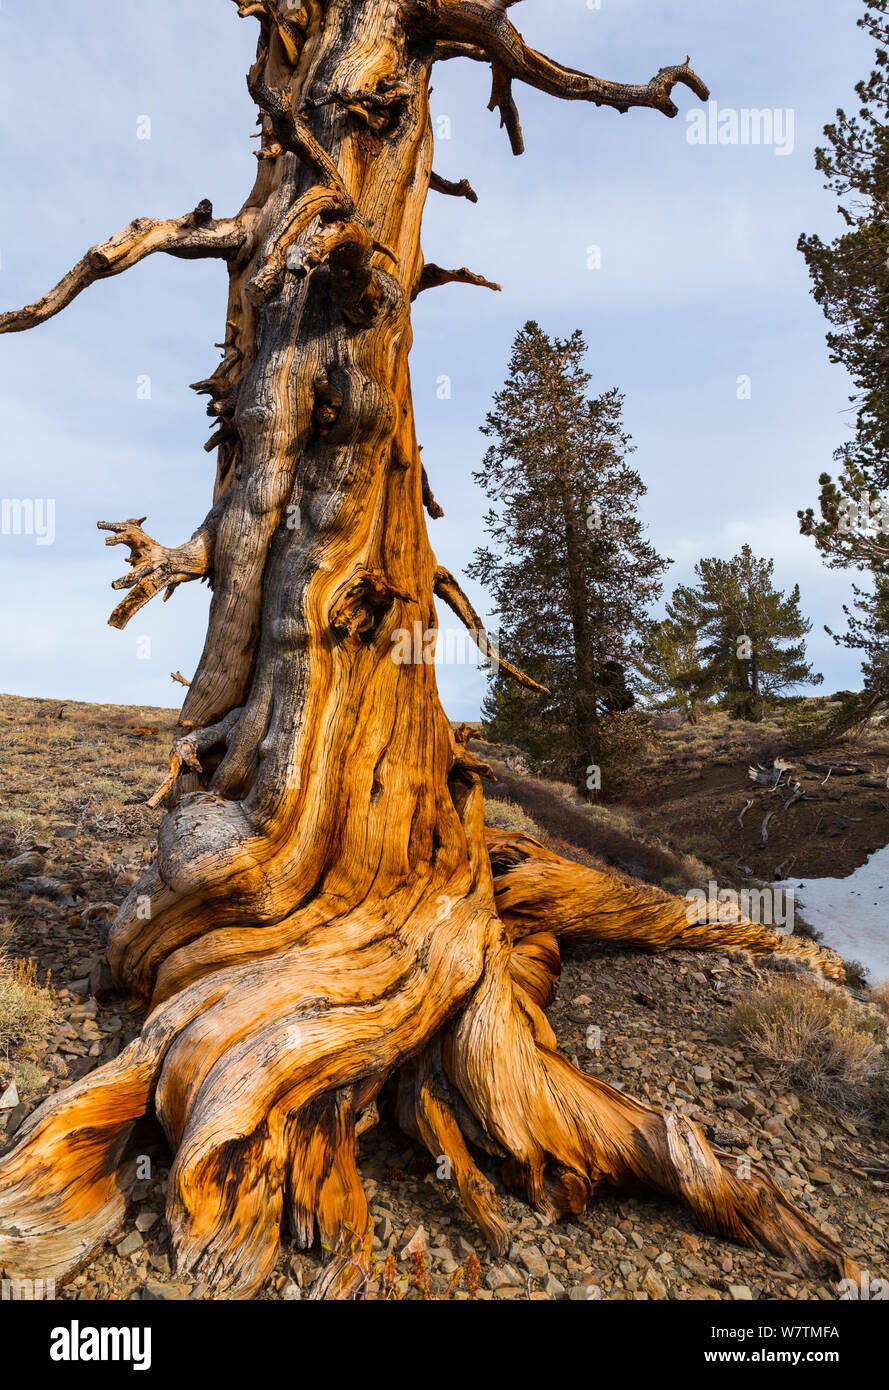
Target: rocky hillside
x=74, y=835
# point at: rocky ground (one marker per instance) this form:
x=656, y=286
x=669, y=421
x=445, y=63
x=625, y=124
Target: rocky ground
x=696, y=783
x=73, y=791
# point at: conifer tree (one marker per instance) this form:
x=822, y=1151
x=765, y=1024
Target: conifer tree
x=751, y=635
x=850, y=281
x=671, y=668
x=568, y=565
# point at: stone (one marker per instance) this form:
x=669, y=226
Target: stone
x=819, y=1174
x=740, y=1293
x=18, y=1116
x=703, y=1074
x=101, y=984
x=383, y=1227
x=146, y=1219
x=654, y=1285
x=533, y=1262
x=10, y=1097
x=553, y=1287
x=153, y=1291
x=417, y=1245
x=130, y=1244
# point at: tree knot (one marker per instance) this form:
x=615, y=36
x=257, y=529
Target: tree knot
x=361, y=605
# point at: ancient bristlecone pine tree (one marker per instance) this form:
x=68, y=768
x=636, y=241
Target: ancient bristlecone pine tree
x=325, y=912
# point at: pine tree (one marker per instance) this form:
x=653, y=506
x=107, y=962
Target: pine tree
x=868, y=632
x=671, y=668
x=751, y=635
x=568, y=565
x=850, y=281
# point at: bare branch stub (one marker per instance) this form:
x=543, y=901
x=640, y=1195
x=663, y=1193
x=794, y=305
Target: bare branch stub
x=433, y=276
x=433, y=508
x=461, y=188
x=154, y=567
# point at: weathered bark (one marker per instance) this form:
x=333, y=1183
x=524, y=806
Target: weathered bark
x=322, y=913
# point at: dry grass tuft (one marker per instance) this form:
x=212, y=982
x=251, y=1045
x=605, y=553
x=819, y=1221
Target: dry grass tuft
x=819, y=1040
x=879, y=995
x=26, y=1006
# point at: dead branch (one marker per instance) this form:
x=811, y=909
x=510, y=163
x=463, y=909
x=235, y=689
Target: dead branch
x=433, y=276
x=502, y=100
x=154, y=567
x=448, y=590
x=461, y=189
x=195, y=236
x=484, y=33
x=186, y=752
x=429, y=502
x=294, y=135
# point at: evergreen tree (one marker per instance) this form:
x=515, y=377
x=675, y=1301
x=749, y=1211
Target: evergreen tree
x=850, y=280
x=671, y=667
x=568, y=565
x=751, y=636
x=868, y=632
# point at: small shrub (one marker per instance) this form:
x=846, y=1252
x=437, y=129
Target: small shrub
x=856, y=973
x=816, y=1039
x=506, y=815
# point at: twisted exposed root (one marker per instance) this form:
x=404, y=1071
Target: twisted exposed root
x=259, y=1070
x=567, y=1134
x=63, y=1188
x=538, y=890
x=426, y=1111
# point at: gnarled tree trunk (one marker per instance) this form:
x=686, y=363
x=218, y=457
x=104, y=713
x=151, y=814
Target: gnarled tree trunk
x=323, y=911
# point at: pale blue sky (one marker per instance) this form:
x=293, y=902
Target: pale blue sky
x=700, y=283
